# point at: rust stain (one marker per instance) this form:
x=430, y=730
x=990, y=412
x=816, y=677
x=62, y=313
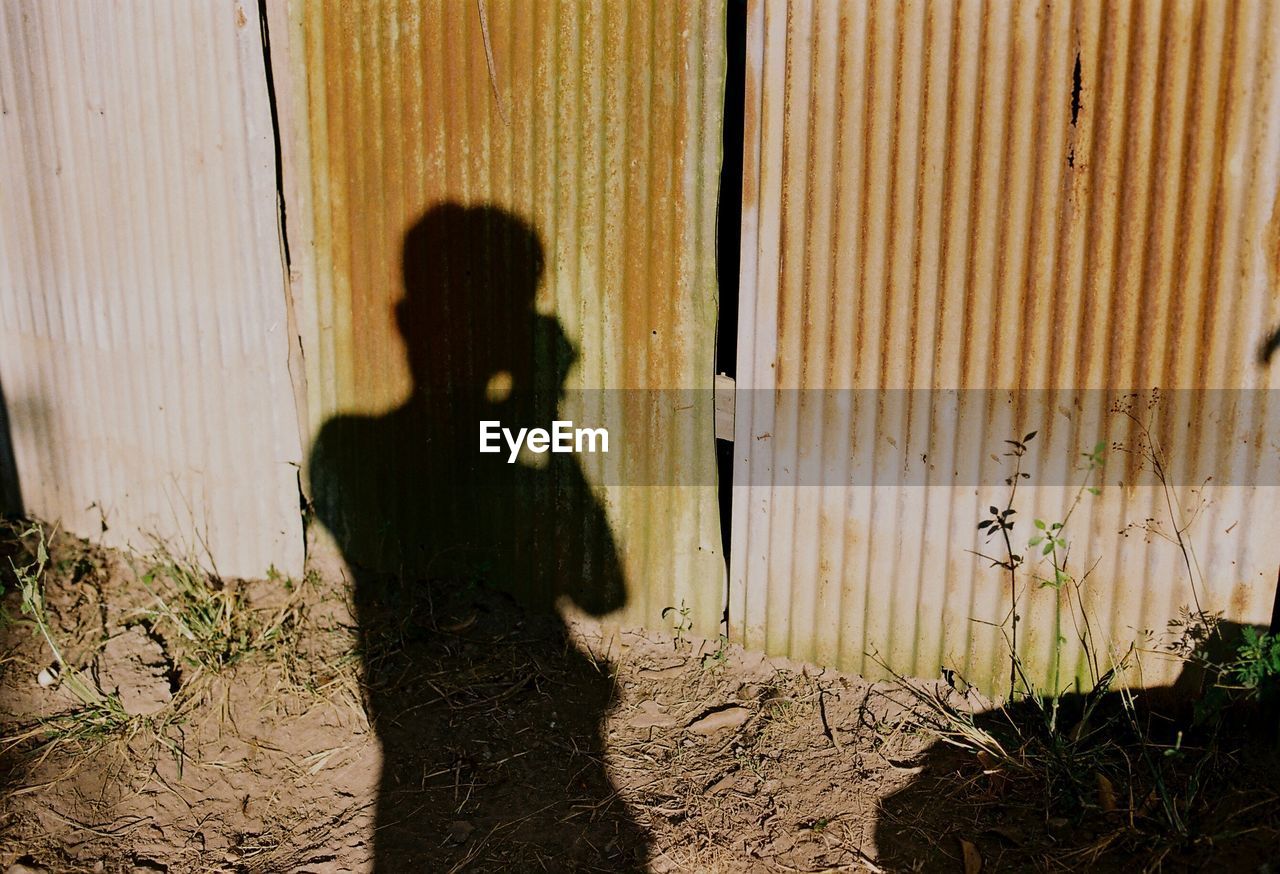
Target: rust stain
x=751, y=122
x=1240, y=598
x=420, y=126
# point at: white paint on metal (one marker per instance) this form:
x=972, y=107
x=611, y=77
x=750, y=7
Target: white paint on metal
x=143, y=335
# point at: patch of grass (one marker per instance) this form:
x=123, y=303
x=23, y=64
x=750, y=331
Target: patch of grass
x=207, y=629
x=212, y=622
x=210, y=626
x=207, y=616
x=100, y=715
x=715, y=661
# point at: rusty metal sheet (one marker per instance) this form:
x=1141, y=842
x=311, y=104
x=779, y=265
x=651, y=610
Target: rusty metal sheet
x=143, y=345
x=963, y=222
x=563, y=157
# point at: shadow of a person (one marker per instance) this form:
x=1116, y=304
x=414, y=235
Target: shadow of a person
x=488, y=716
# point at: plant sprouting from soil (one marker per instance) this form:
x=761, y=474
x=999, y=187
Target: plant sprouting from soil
x=1051, y=542
x=214, y=624
x=1001, y=522
x=100, y=713
x=1257, y=661
x=682, y=624
x=714, y=661
x=206, y=614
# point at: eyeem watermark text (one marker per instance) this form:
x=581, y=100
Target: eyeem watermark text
x=562, y=437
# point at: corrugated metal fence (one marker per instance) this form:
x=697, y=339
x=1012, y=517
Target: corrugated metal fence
x=590, y=132
x=967, y=221
x=961, y=222
x=143, y=336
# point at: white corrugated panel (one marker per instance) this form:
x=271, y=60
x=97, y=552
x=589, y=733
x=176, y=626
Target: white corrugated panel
x=143, y=344
x=967, y=221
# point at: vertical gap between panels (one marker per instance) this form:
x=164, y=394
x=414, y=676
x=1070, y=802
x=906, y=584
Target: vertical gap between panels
x=728, y=248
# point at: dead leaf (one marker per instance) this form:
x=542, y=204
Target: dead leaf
x=459, y=831
x=722, y=784
x=1106, y=792
x=460, y=625
x=729, y=717
x=972, y=858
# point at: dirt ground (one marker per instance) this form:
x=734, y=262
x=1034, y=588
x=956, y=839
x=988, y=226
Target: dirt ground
x=517, y=747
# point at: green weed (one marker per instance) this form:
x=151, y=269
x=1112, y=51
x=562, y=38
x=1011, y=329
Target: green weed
x=212, y=620
x=1256, y=667
x=100, y=714
x=682, y=624
x=714, y=661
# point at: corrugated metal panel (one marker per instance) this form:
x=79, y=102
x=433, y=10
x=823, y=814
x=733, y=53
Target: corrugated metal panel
x=943, y=198
x=143, y=348
x=596, y=127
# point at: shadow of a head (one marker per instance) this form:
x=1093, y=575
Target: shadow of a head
x=468, y=316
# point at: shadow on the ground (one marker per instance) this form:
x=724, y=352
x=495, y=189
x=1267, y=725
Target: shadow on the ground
x=1146, y=787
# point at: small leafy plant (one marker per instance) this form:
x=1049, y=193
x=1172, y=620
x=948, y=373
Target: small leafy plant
x=1001, y=522
x=714, y=661
x=682, y=624
x=1102, y=753
x=1257, y=664
x=1248, y=670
